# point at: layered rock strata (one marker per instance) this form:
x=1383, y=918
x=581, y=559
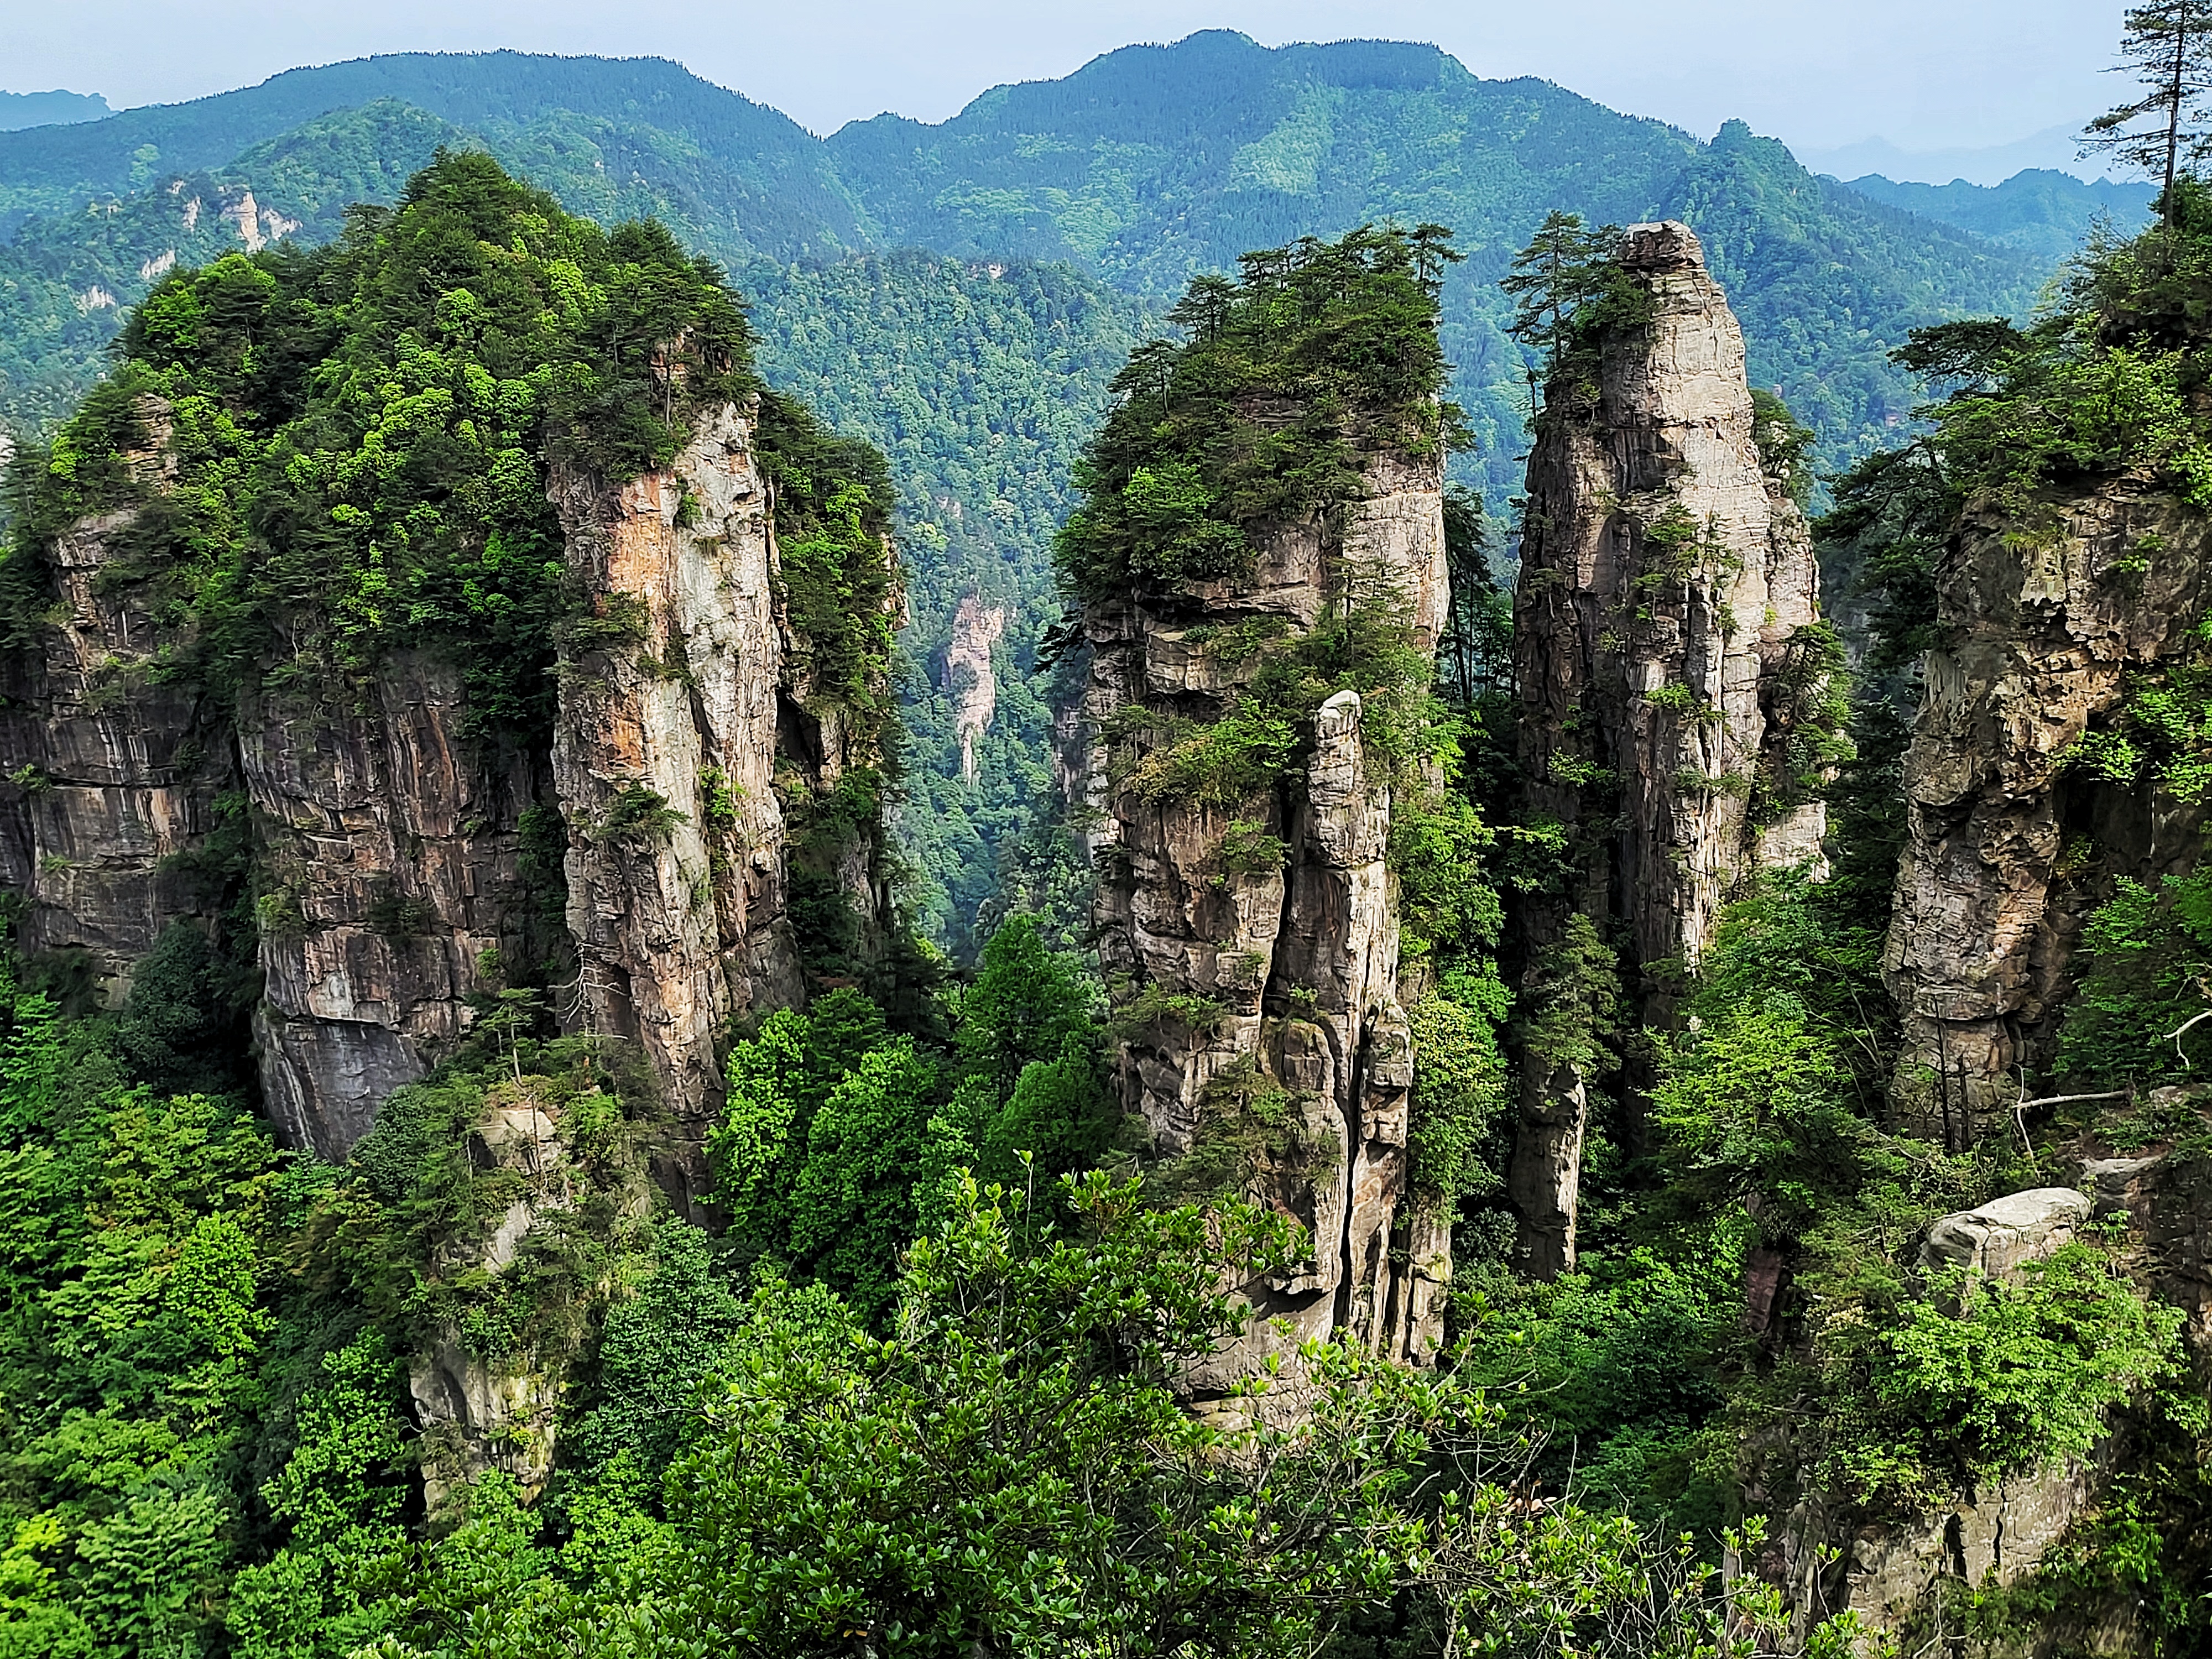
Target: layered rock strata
x=1256, y=941
x=2040, y=634
x=1667, y=583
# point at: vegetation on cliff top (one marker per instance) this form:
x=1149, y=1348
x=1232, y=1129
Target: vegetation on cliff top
x=337, y=454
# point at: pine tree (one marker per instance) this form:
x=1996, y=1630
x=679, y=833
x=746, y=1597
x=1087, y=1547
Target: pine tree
x=2167, y=45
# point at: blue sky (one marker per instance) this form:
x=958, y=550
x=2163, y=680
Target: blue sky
x=1924, y=74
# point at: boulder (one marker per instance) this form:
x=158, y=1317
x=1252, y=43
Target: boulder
x=2007, y=1233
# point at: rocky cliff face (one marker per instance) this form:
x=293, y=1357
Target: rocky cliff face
x=1254, y=942
x=2039, y=637
x=407, y=860
x=112, y=779
x=666, y=754
x=389, y=844
x=1663, y=661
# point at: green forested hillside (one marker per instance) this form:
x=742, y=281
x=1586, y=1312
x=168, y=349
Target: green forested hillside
x=2038, y=212
x=767, y=161
x=979, y=383
x=1154, y=162
x=1093, y=196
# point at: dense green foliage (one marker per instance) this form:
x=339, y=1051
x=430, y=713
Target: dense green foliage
x=363, y=437
x=979, y=383
x=1317, y=355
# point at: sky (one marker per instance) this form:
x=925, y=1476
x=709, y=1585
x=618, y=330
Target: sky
x=1947, y=75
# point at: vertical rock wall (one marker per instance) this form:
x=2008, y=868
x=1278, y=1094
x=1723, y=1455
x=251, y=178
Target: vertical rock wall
x=109, y=778
x=666, y=756
x=390, y=845
x=1299, y=956
x=393, y=842
x=1664, y=579
x=2038, y=634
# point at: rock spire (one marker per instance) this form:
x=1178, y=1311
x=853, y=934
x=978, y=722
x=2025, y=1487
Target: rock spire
x=1668, y=656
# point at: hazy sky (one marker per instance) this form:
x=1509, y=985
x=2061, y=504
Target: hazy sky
x=1924, y=74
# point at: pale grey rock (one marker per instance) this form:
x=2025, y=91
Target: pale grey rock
x=2000, y=1535
x=2007, y=1233
x=680, y=921
x=1665, y=579
x=969, y=677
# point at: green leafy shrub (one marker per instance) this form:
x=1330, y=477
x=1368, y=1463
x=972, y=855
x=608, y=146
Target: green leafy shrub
x=2147, y=961
x=1315, y=352
x=1997, y=1378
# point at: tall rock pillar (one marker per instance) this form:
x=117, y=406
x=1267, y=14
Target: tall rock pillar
x=1254, y=943
x=1663, y=660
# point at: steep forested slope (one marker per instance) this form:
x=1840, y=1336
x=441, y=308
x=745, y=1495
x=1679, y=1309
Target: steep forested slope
x=1143, y=167
x=980, y=383
x=764, y=160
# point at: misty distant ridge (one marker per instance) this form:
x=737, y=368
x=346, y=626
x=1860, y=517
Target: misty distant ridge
x=19, y=110
x=1147, y=164
x=1874, y=161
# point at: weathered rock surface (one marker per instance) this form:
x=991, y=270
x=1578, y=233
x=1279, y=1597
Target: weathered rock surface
x=109, y=777
x=392, y=841
x=969, y=677
x=2039, y=633
x=684, y=735
x=2006, y=1234
x=391, y=853
x=664, y=758
x=1666, y=583
x=2000, y=1533
x=1296, y=955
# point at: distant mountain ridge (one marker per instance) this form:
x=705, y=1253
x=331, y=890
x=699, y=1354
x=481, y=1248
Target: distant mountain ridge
x=41, y=109
x=962, y=293
x=1148, y=164
x=2039, y=211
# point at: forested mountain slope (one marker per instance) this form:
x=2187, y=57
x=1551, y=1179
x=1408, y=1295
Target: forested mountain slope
x=1152, y=163
x=770, y=161
x=975, y=368
x=2037, y=212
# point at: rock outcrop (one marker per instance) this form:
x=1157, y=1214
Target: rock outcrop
x=2038, y=636
x=665, y=757
x=2006, y=1234
x=969, y=677
x=1255, y=942
x=407, y=860
x=110, y=777
x=1666, y=660
x=393, y=888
